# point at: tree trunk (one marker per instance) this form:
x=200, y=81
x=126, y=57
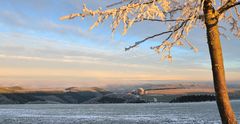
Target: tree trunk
x=222, y=98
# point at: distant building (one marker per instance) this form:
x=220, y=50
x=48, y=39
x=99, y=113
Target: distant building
x=145, y=92
x=140, y=91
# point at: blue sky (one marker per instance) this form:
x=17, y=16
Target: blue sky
x=35, y=46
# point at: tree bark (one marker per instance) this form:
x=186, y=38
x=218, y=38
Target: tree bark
x=222, y=98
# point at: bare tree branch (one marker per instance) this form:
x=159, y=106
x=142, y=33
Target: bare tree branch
x=168, y=20
x=150, y=37
x=156, y=35
x=182, y=25
x=117, y=3
x=227, y=6
x=159, y=20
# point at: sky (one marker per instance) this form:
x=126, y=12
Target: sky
x=37, y=49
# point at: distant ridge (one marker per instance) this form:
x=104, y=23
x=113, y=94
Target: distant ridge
x=112, y=94
x=84, y=89
x=71, y=95
x=18, y=89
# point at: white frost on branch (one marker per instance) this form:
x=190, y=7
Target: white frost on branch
x=181, y=16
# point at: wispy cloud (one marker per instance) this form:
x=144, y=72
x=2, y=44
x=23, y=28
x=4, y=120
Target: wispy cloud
x=35, y=44
x=32, y=48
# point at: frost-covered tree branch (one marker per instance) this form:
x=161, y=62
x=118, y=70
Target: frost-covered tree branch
x=182, y=15
x=228, y=5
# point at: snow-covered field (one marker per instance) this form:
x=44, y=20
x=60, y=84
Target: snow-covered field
x=159, y=113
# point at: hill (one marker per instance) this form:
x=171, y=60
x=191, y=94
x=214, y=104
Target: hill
x=73, y=95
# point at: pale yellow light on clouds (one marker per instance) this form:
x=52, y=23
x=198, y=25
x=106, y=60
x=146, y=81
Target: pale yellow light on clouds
x=117, y=71
x=78, y=73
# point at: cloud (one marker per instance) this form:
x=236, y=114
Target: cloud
x=23, y=47
x=26, y=23
x=33, y=40
x=21, y=50
x=74, y=59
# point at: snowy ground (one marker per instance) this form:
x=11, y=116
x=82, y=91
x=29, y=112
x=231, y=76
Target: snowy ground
x=160, y=113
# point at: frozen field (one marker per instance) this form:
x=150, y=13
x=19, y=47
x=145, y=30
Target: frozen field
x=160, y=113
